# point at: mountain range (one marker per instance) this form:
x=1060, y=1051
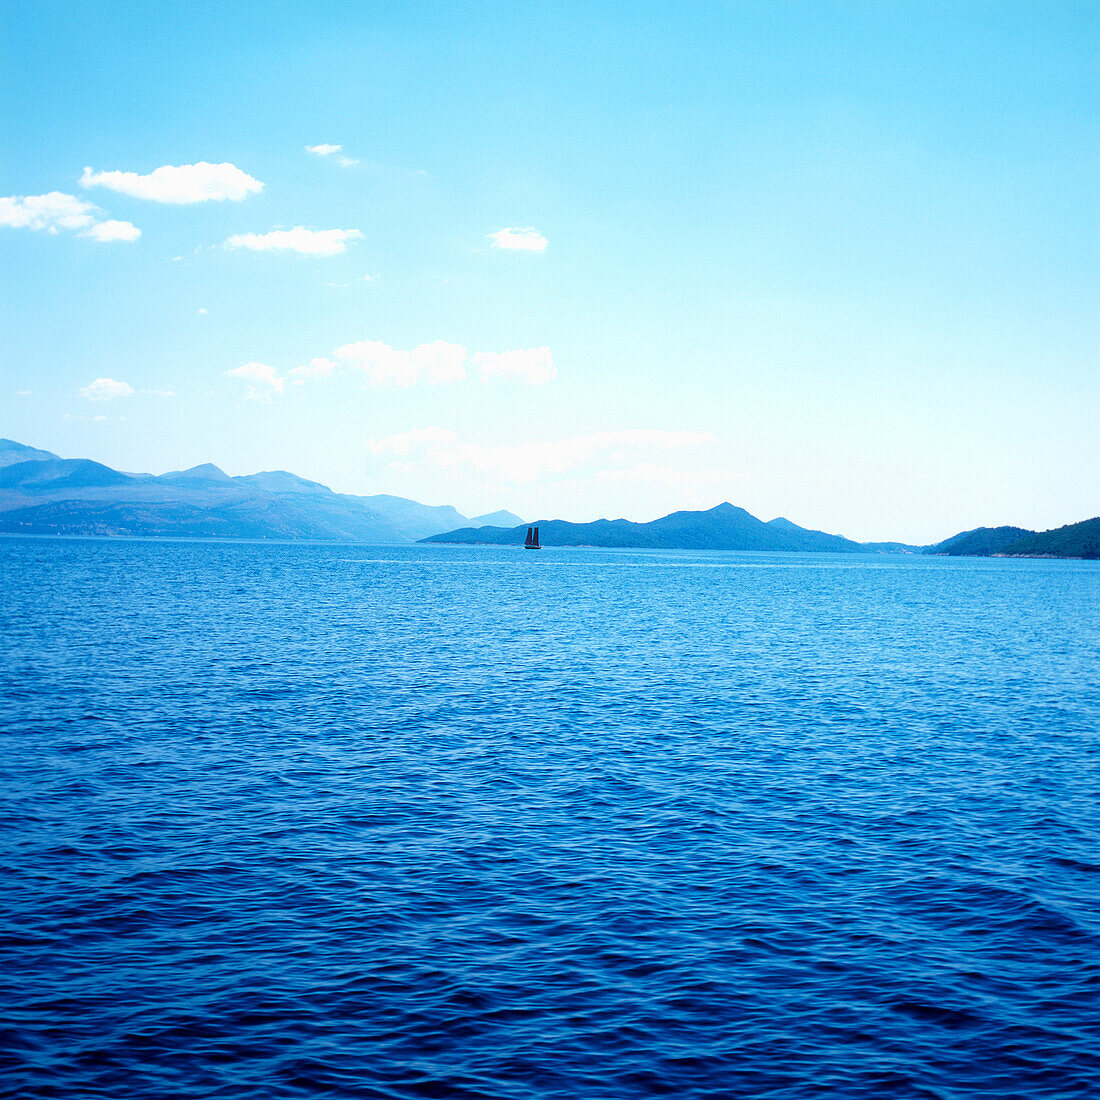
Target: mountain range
x=44, y=494
x=725, y=527
x=1075, y=540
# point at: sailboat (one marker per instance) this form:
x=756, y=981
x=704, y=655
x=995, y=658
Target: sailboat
x=532, y=542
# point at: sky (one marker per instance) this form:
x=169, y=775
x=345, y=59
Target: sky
x=835, y=261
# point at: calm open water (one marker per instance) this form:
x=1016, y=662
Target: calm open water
x=342, y=821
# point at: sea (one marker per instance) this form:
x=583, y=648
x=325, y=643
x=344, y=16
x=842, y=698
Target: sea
x=300, y=820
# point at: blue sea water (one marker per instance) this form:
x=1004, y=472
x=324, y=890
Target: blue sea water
x=345, y=821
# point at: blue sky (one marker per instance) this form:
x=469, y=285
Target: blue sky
x=834, y=261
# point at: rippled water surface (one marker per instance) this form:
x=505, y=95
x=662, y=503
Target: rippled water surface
x=316, y=821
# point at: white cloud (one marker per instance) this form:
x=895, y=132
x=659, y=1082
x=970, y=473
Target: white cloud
x=532, y=365
x=440, y=449
x=436, y=362
x=309, y=242
x=264, y=380
x=418, y=438
x=519, y=240
x=327, y=150
x=112, y=231
x=56, y=210
x=53, y=211
x=106, y=389
x=203, y=311
x=315, y=368
x=184, y=183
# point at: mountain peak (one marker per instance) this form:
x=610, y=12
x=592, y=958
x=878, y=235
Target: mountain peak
x=503, y=518
x=283, y=481
x=208, y=470
x=205, y=471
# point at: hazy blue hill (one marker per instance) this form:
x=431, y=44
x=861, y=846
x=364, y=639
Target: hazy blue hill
x=503, y=518
x=203, y=475
x=55, y=474
x=823, y=541
x=1076, y=540
x=43, y=494
x=12, y=452
x=981, y=542
x=340, y=518
x=603, y=532
x=282, y=481
x=152, y=509
x=820, y=540
x=893, y=548
x=416, y=520
x=725, y=527
x=149, y=519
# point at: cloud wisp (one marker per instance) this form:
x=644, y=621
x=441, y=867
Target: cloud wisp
x=535, y=366
x=381, y=365
x=57, y=210
x=264, y=381
x=106, y=389
x=437, y=363
x=306, y=242
x=326, y=149
x=519, y=240
x=179, y=184
x=438, y=449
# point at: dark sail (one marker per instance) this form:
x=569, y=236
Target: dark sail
x=532, y=542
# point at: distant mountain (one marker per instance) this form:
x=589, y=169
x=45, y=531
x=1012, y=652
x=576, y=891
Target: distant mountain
x=416, y=520
x=981, y=542
x=282, y=481
x=201, y=474
x=41, y=493
x=819, y=539
x=52, y=475
x=725, y=527
x=12, y=452
x=241, y=519
x=186, y=507
x=1077, y=540
x=495, y=519
x=892, y=548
